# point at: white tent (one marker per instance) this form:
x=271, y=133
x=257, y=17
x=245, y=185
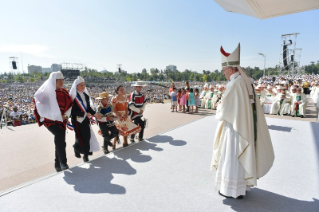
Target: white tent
x=263, y=9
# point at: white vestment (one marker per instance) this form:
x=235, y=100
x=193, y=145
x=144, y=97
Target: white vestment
x=208, y=98
x=302, y=106
x=202, y=98
x=215, y=99
x=237, y=157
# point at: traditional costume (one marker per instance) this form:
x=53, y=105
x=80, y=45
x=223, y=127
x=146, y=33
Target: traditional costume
x=50, y=106
x=242, y=150
x=85, y=139
x=107, y=126
x=125, y=126
x=136, y=104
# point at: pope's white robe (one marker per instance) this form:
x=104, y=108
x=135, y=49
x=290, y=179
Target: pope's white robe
x=302, y=106
x=238, y=161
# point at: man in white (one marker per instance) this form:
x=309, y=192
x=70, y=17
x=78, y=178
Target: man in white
x=209, y=96
x=292, y=94
x=299, y=104
x=242, y=150
x=215, y=97
x=202, y=96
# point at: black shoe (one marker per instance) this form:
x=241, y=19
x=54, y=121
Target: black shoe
x=125, y=145
x=301, y=116
x=118, y=140
x=57, y=167
x=132, y=140
x=64, y=166
x=86, y=158
x=223, y=195
x=105, y=150
x=240, y=197
x=141, y=139
x=77, y=154
x=293, y=116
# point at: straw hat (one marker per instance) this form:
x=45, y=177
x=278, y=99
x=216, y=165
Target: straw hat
x=138, y=83
x=103, y=95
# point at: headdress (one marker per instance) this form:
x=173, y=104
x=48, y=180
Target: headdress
x=138, y=83
x=45, y=98
x=233, y=59
x=73, y=90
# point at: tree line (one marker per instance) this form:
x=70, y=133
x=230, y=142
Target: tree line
x=155, y=74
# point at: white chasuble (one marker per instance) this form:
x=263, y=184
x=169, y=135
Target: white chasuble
x=235, y=155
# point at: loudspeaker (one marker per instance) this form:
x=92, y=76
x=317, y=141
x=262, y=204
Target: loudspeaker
x=14, y=65
x=119, y=70
x=285, y=57
x=292, y=57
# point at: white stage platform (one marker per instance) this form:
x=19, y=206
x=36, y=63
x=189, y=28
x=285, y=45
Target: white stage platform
x=170, y=172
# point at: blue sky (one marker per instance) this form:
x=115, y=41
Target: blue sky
x=145, y=34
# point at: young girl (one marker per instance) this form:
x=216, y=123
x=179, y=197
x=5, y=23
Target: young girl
x=197, y=100
x=191, y=100
x=183, y=99
x=179, y=96
x=123, y=123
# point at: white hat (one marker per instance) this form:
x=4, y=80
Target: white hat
x=211, y=86
x=206, y=85
x=269, y=87
x=138, y=83
x=59, y=75
x=232, y=59
x=293, y=87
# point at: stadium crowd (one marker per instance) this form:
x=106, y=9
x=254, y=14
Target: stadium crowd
x=276, y=93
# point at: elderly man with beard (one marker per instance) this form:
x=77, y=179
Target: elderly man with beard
x=242, y=149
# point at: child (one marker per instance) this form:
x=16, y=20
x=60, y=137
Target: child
x=191, y=100
x=197, y=100
x=106, y=124
x=179, y=96
x=183, y=99
x=173, y=95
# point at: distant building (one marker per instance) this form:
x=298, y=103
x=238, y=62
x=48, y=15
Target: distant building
x=171, y=67
x=104, y=71
x=56, y=67
x=33, y=68
x=46, y=70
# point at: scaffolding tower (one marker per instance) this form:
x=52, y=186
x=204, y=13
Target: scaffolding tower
x=289, y=61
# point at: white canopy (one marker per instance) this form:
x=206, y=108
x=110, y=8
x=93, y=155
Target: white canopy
x=263, y=9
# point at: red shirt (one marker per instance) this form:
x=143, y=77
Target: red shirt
x=64, y=101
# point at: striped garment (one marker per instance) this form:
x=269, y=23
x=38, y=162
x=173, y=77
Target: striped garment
x=137, y=100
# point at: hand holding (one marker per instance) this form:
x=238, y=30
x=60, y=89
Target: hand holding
x=98, y=116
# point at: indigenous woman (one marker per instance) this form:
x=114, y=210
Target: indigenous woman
x=85, y=140
x=124, y=124
x=52, y=108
